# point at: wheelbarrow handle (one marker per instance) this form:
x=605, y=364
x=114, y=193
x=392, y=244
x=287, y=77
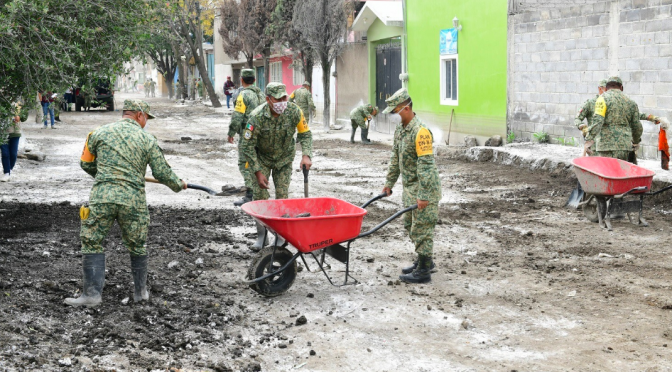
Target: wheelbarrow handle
x=640, y=188
x=659, y=191
x=390, y=219
x=378, y=197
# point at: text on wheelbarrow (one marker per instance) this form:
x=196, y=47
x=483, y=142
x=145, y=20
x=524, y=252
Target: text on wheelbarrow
x=321, y=244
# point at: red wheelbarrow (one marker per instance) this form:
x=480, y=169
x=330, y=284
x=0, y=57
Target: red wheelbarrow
x=607, y=183
x=313, y=226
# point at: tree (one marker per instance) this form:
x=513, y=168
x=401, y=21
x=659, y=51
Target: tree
x=243, y=29
x=323, y=24
x=282, y=29
x=189, y=17
x=56, y=44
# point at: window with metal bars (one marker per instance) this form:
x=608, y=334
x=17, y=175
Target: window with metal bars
x=449, y=80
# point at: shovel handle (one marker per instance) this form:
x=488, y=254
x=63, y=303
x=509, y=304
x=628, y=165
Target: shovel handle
x=189, y=186
x=305, y=173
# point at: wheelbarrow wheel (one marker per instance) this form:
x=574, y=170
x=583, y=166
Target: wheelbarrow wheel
x=277, y=284
x=590, y=210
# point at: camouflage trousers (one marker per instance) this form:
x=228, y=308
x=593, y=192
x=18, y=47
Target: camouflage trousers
x=249, y=178
x=355, y=124
x=617, y=154
x=132, y=221
x=420, y=226
x=281, y=179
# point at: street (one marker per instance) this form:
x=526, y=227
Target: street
x=522, y=283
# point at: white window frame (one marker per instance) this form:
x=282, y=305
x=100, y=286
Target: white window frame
x=297, y=76
x=442, y=66
x=276, y=72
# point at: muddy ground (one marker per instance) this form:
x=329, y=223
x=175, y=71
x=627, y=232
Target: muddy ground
x=522, y=283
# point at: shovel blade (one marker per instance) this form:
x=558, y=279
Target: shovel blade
x=575, y=197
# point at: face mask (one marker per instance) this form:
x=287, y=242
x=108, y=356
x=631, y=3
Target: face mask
x=279, y=107
x=401, y=109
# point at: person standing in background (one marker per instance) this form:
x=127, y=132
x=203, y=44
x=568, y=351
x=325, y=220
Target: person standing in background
x=228, y=90
x=9, y=150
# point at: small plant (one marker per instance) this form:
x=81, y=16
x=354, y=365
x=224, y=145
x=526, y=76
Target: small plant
x=571, y=141
x=510, y=137
x=542, y=137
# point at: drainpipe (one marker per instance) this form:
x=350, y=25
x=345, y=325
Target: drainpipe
x=404, y=82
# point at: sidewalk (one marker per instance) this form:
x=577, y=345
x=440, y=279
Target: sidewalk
x=552, y=158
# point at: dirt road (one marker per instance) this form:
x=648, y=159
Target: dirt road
x=522, y=284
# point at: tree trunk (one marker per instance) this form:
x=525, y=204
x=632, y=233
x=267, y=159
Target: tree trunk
x=180, y=67
x=308, y=62
x=250, y=62
x=326, y=79
x=266, y=54
x=168, y=79
x=203, y=71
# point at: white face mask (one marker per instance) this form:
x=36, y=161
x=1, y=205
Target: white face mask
x=279, y=107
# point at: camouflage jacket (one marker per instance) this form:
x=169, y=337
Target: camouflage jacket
x=304, y=99
x=413, y=158
x=361, y=113
x=248, y=99
x=616, y=124
x=270, y=141
x=586, y=112
x=117, y=155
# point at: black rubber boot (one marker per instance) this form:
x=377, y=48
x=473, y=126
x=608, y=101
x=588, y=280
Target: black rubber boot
x=246, y=199
x=352, y=134
x=93, y=265
x=365, y=135
x=139, y=271
x=261, y=238
x=409, y=269
x=421, y=274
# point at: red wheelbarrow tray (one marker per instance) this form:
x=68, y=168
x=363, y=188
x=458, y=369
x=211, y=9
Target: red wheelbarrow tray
x=331, y=220
x=608, y=176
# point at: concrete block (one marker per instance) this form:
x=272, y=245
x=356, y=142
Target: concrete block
x=630, y=16
x=646, y=88
x=635, y=76
x=593, y=65
x=665, y=50
x=593, y=20
x=664, y=101
x=648, y=14
x=632, y=64
x=651, y=51
x=639, y=4
x=587, y=32
x=625, y=4
x=632, y=39
x=662, y=37
x=601, y=7
x=662, y=89
x=599, y=31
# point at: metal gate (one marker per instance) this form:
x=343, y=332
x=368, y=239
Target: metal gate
x=261, y=78
x=388, y=69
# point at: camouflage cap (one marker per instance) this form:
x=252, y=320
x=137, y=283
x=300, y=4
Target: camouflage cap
x=603, y=83
x=397, y=98
x=247, y=72
x=138, y=105
x=306, y=83
x=614, y=79
x=276, y=90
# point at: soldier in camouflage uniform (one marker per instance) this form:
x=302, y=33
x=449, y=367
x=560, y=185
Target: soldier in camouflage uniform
x=199, y=88
x=413, y=159
x=117, y=155
x=616, y=128
x=249, y=98
x=358, y=118
x=269, y=146
x=304, y=99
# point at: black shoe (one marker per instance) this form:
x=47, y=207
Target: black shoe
x=409, y=269
x=93, y=266
x=365, y=135
x=139, y=271
x=421, y=274
x=352, y=134
x=246, y=199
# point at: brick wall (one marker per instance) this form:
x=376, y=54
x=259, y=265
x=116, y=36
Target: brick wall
x=558, y=53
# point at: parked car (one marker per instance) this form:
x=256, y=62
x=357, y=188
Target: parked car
x=104, y=96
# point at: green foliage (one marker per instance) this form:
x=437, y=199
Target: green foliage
x=510, y=137
x=571, y=141
x=54, y=44
x=542, y=137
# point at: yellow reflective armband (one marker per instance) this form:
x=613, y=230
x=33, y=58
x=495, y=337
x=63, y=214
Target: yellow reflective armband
x=423, y=142
x=302, y=127
x=600, y=107
x=87, y=156
x=240, y=105
x=84, y=212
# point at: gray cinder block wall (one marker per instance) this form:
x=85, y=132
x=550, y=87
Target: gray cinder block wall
x=560, y=49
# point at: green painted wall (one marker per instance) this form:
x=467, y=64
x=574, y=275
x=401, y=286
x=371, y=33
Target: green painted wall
x=378, y=34
x=482, y=64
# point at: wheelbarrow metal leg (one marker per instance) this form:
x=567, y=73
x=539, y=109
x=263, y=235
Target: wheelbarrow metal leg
x=642, y=221
x=607, y=217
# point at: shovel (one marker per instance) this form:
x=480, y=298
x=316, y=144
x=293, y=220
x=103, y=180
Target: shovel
x=305, y=181
x=575, y=197
x=189, y=186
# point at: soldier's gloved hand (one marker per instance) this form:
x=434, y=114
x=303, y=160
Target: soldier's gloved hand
x=184, y=184
x=230, y=139
x=422, y=204
x=387, y=190
x=586, y=147
x=635, y=146
x=664, y=123
x=584, y=129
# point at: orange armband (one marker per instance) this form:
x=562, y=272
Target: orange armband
x=87, y=156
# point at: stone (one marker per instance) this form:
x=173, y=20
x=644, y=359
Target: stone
x=301, y=320
x=37, y=156
x=494, y=141
x=185, y=139
x=470, y=141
